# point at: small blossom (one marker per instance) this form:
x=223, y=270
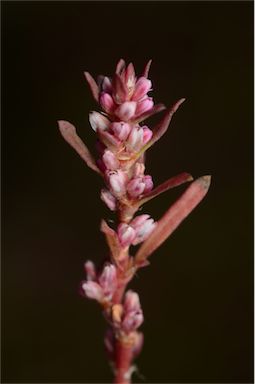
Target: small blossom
x=110, y=160
x=131, y=301
x=121, y=130
x=135, y=138
x=108, y=199
x=126, y=110
x=147, y=134
x=90, y=270
x=116, y=180
x=135, y=187
x=108, y=280
x=98, y=121
x=132, y=321
x=144, y=106
x=143, y=225
x=107, y=102
x=93, y=290
x=106, y=84
x=148, y=183
x=142, y=86
x=126, y=234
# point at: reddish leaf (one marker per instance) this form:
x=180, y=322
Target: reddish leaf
x=156, y=109
x=93, y=85
x=173, y=217
x=112, y=239
x=170, y=183
x=147, y=69
x=68, y=132
x=120, y=66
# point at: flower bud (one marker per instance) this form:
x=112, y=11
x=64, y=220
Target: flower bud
x=106, y=84
x=135, y=187
x=98, y=121
x=108, y=280
x=110, y=160
x=135, y=138
x=107, y=102
x=130, y=78
x=144, y=106
x=126, y=110
x=142, y=86
x=126, y=234
x=143, y=226
x=116, y=180
x=148, y=183
x=90, y=270
x=93, y=290
x=132, y=321
x=131, y=301
x=121, y=130
x=108, y=199
x=147, y=134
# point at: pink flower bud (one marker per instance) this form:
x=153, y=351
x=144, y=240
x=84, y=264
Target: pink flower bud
x=132, y=321
x=110, y=160
x=135, y=187
x=108, y=280
x=126, y=110
x=93, y=290
x=130, y=78
x=90, y=270
x=131, y=302
x=144, y=106
x=126, y=234
x=148, y=183
x=107, y=102
x=121, y=130
x=108, y=199
x=139, y=169
x=135, y=138
x=142, y=86
x=143, y=226
x=117, y=181
x=98, y=121
x=106, y=84
x=147, y=134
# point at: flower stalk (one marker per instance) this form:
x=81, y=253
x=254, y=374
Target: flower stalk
x=122, y=140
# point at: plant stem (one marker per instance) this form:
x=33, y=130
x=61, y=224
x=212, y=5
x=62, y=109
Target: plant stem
x=122, y=362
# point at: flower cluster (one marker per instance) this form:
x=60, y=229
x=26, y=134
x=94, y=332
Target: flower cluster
x=122, y=139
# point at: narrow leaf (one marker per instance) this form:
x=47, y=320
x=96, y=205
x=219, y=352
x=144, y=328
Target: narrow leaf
x=112, y=239
x=173, y=217
x=93, y=85
x=170, y=183
x=156, y=109
x=147, y=69
x=68, y=132
x=120, y=66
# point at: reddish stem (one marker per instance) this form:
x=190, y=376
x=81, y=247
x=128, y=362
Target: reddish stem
x=123, y=359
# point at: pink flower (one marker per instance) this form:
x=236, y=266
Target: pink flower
x=126, y=110
x=90, y=270
x=108, y=199
x=147, y=134
x=135, y=138
x=108, y=281
x=98, y=121
x=142, y=86
x=107, y=102
x=93, y=290
x=144, y=106
x=110, y=160
x=121, y=130
x=126, y=234
x=143, y=226
x=139, y=185
x=117, y=181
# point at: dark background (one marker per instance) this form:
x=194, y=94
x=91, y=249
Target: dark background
x=197, y=294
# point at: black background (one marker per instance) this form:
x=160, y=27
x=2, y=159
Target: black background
x=197, y=294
